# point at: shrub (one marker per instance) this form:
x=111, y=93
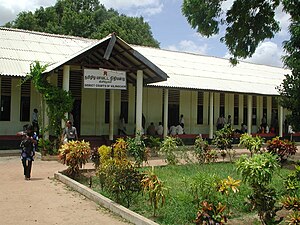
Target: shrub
x=223, y=140
x=201, y=149
x=282, y=148
x=253, y=144
x=74, y=154
x=95, y=157
x=155, y=189
x=211, y=214
x=117, y=175
x=257, y=172
x=168, y=148
x=137, y=149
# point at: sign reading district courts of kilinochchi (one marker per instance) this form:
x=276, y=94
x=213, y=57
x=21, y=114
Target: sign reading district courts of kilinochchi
x=104, y=79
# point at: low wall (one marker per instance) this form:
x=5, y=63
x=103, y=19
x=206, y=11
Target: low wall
x=103, y=201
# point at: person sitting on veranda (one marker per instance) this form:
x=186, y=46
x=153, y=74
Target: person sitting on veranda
x=179, y=129
x=151, y=131
x=160, y=129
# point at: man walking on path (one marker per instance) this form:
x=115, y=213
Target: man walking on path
x=45, y=200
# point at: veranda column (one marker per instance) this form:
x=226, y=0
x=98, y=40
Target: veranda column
x=111, y=114
x=249, y=109
x=66, y=86
x=139, y=102
x=280, y=121
x=211, y=115
x=166, y=103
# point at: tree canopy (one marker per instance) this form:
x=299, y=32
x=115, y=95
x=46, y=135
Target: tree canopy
x=247, y=24
x=85, y=18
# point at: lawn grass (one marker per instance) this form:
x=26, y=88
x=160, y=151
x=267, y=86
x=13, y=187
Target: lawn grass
x=180, y=206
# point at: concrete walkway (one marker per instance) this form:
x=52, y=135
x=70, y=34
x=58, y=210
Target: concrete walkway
x=43, y=200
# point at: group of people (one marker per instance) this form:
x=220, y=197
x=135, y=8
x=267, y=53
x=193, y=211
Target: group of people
x=221, y=122
x=29, y=141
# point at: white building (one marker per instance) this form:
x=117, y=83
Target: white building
x=160, y=84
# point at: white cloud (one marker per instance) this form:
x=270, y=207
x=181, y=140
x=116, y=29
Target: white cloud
x=140, y=7
x=267, y=53
x=10, y=9
x=189, y=46
x=284, y=20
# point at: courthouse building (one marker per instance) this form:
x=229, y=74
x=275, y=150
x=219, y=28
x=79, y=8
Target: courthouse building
x=109, y=77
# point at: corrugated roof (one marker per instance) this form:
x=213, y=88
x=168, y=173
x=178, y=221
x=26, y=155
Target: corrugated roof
x=192, y=71
x=19, y=48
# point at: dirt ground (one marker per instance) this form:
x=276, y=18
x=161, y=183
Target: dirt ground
x=43, y=200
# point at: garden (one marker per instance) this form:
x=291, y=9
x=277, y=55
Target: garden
x=205, y=184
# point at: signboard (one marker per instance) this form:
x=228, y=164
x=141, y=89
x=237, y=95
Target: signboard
x=104, y=79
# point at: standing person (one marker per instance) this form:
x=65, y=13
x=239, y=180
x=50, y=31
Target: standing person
x=35, y=121
x=121, y=126
x=220, y=122
x=70, y=132
x=264, y=121
x=28, y=146
x=229, y=120
x=181, y=121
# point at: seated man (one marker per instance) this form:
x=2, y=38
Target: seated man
x=179, y=129
x=160, y=129
x=151, y=129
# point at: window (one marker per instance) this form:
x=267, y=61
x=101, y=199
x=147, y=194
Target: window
x=5, y=99
x=265, y=107
x=25, y=101
x=107, y=105
x=200, y=108
x=236, y=110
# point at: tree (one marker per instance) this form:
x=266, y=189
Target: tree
x=248, y=23
x=85, y=18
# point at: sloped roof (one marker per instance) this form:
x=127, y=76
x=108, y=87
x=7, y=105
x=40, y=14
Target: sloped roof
x=192, y=71
x=19, y=48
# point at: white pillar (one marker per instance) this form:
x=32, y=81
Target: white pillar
x=111, y=114
x=280, y=121
x=65, y=86
x=211, y=115
x=166, y=103
x=139, y=101
x=249, y=119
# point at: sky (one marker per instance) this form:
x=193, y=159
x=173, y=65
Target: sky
x=169, y=27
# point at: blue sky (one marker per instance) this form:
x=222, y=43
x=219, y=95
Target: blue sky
x=168, y=26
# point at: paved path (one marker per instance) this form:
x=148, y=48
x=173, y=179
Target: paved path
x=43, y=200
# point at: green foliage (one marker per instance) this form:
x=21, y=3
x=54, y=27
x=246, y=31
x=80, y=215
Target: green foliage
x=74, y=154
x=168, y=148
x=155, y=189
x=292, y=181
x=247, y=22
x=253, y=144
x=282, y=148
x=258, y=172
x=117, y=175
x=85, y=18
x=223, y=140
x=211, y=214
x=201, y=149
x=46, y=147
x=58, y=101
x=137, y=149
